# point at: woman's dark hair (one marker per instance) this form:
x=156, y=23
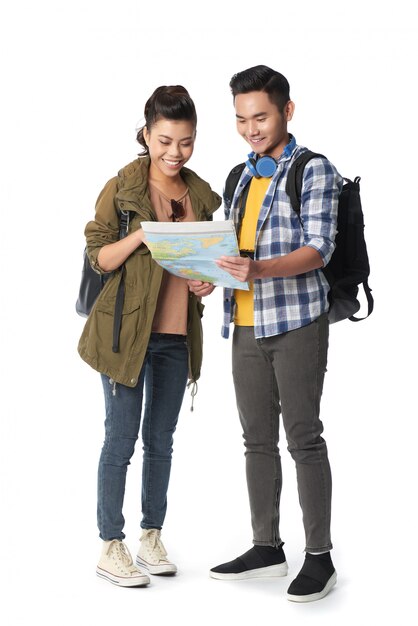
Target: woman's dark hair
x=262, y=78
x=170, y=103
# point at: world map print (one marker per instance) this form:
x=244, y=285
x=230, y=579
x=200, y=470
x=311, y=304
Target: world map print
x=189, y=250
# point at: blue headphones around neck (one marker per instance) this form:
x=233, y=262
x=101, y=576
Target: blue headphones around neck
x=261, y=167
x=264, y=167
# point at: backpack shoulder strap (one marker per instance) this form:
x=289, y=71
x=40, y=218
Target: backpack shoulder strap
x=370, y=303
x=124, y=218
x=232, y=182
x=295, y=178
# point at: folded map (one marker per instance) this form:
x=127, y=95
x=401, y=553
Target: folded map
x=189, y=249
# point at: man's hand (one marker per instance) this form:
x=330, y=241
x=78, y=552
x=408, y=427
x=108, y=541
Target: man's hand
x=300, y=261
x=241, y=268
x=200, y=289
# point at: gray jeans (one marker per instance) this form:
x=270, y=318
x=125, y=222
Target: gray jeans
x=284, y=374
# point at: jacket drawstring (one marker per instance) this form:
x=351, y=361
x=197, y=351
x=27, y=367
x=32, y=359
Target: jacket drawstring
x=113, y=383
x=193, y=392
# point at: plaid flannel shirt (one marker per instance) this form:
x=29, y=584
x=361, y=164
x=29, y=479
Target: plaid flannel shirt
x=283, y=304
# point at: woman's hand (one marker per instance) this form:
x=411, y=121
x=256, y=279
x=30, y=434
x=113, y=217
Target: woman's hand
x=113, y=255
x=199, y=288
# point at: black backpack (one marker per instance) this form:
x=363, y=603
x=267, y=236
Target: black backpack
x=92, y=283
x=349, y=265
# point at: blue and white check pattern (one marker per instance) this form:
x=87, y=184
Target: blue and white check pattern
x=283, y=304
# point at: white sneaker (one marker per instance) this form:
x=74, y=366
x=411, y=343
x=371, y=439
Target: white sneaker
x=152, y=554
x=117, y=567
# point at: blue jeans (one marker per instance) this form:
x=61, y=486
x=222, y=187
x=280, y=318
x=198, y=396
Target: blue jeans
x=164, y=377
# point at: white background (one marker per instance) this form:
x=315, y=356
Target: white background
x=75, y=77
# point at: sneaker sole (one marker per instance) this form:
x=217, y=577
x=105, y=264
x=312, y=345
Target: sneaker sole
x=138, y=581
x=157, y=570
x=272, y=571
x=315, y=596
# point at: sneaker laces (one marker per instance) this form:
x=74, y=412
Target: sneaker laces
x=123, y=553
x=155, y=543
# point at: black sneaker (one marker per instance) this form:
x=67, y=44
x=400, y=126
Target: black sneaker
x=259, y=562
x=315, y=579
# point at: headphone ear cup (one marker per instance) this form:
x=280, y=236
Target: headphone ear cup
x=266, y=166
x=263, y=167
x=252, y=166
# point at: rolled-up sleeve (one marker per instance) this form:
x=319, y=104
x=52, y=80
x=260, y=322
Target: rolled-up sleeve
x=321, y=189
x=104, y=229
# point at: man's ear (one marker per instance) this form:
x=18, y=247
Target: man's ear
x=289, y=110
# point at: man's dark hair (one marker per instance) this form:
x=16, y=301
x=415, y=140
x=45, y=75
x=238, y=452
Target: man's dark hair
x=262, y=78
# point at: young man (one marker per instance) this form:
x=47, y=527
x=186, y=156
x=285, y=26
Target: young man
x=281, y=330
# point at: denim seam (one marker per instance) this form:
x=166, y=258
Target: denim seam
x=275, y=512
x=317, y=404
x=148, y=423
x=106, y=536
x=105, y=448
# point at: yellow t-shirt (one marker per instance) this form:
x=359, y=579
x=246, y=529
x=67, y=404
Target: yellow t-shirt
x=244, y=310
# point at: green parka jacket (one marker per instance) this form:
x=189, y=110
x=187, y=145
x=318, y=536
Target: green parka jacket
x=129, y=192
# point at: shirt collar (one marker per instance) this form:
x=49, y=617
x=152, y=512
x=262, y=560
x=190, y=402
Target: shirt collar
x=286, y=152
x=289, y=148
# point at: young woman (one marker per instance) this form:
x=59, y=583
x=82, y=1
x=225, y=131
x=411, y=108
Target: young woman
x=144, y=332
